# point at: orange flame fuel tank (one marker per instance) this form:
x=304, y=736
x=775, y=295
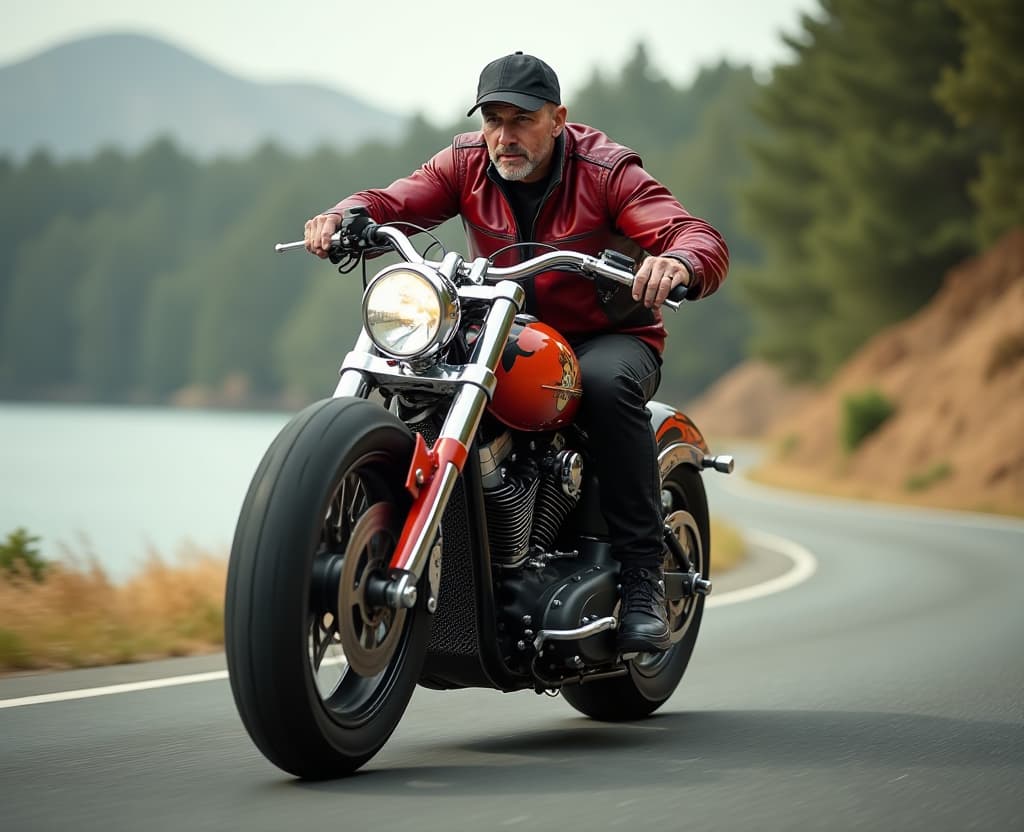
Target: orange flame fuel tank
x=538, y=379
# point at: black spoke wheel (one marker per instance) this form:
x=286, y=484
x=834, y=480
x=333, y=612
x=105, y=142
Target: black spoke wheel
x=653, y=677
x=319, y=672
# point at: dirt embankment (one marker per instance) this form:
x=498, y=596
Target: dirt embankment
x=955, y=374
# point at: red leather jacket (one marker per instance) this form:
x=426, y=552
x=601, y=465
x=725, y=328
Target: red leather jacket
x=598, y=194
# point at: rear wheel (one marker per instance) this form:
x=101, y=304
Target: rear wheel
x=653, y=677
x=320, y=674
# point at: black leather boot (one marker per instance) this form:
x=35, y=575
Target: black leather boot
x=643, y=622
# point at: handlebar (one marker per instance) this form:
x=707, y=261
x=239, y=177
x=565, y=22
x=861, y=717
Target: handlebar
x=371, y=235
x=585, y=263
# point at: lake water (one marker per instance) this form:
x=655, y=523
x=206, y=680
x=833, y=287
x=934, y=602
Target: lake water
x=118, y=481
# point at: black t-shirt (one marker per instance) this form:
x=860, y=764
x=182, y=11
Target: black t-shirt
x=525, y=199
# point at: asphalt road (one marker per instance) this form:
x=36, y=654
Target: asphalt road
x=883, y=692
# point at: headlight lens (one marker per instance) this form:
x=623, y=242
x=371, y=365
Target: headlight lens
x=408, y=311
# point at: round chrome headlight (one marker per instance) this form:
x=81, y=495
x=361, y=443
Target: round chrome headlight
x=409, y=310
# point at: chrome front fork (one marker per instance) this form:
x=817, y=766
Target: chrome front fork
x=435, y=471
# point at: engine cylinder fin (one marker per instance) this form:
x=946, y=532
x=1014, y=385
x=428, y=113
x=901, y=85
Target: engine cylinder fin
x=510, y=509
x=552, y=507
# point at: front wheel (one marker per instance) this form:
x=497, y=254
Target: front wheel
x=653, y=677
x=320, y=675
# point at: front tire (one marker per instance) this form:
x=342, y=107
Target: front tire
x=653, y=677
x=322, y=513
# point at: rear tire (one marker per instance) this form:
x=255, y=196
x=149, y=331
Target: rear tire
x=653, y=677
x=331, y=482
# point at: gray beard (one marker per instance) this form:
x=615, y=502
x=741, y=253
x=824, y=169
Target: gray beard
x=515, y=174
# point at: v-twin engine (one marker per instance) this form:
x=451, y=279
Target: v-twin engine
x=528, y=493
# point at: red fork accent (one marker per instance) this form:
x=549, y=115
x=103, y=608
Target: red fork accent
x=429, y=461
x=424, y=462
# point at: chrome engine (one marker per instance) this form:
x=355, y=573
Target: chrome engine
x=528, y=493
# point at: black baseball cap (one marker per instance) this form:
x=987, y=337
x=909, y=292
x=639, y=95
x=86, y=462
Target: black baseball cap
x=521, y=80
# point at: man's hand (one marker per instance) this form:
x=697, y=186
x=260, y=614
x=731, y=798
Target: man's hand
x=319, y=231
x=656, y=277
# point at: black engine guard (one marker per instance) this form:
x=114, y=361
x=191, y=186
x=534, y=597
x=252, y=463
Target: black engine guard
x=586, y=595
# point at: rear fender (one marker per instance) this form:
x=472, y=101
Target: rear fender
x=672, y=427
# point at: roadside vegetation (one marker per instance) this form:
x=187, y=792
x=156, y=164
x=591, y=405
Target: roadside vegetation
x=728, y=548
x=863, y=414
x=69, y=613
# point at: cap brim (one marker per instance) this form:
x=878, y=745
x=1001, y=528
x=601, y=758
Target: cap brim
x=529, y=103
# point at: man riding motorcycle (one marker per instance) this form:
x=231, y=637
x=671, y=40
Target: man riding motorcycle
x=529, y=180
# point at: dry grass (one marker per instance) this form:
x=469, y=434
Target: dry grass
x=728, y=548
x=77, y=617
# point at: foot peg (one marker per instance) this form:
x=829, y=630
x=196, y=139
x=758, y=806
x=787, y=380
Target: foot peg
x=699, y=585
x=679, y=585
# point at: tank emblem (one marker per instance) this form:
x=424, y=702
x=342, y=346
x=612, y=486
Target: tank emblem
x=570, y=387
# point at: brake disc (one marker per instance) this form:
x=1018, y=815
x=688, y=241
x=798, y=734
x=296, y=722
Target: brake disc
x=369, y=633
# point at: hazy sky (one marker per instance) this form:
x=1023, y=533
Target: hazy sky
x=432, y=51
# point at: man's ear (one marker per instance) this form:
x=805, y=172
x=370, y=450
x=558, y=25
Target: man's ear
x=559, y=118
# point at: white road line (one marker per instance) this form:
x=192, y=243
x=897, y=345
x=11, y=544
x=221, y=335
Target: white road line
x=804, y=566
x=128, y=687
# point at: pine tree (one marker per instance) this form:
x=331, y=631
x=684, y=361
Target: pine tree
x=860, y=187
x=986, y=93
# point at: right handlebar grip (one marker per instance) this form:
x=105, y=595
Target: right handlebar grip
x=679, y=293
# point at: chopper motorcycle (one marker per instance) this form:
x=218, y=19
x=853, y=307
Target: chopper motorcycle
x=435, y=521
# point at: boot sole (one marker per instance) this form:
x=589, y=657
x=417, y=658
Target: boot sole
x=640, y=644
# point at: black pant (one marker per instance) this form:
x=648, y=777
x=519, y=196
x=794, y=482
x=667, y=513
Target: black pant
x=620, y=374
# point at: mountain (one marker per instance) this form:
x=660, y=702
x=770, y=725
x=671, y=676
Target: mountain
x=123, y=90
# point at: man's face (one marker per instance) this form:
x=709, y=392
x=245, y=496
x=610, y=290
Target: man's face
x=520, y=142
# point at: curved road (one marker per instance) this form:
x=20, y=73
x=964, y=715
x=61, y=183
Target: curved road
x=884, y=692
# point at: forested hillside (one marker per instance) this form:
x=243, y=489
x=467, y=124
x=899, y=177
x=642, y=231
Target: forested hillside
x=891, y=150
x=846, y=185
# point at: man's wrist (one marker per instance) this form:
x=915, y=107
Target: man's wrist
x=693, y=283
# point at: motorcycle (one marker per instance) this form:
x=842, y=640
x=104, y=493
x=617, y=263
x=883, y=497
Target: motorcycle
x=436, y=522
